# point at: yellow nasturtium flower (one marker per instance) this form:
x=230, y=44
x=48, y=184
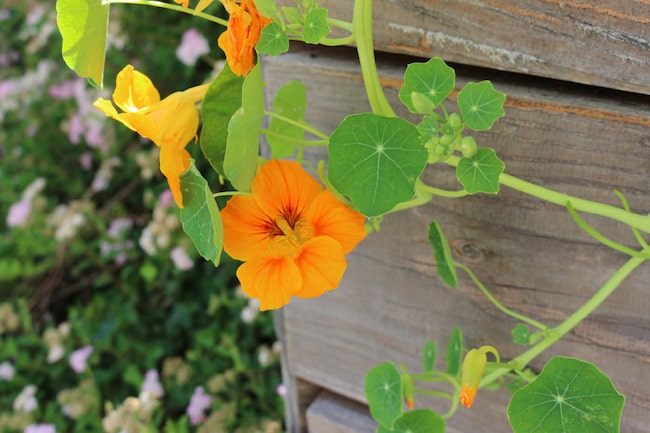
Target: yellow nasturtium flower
x=171, y=123
x=244, y=27
x=472, y=373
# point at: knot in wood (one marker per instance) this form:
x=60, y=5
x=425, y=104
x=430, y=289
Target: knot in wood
x=467, y=250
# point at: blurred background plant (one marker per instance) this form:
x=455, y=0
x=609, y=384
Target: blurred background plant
x=109, y=320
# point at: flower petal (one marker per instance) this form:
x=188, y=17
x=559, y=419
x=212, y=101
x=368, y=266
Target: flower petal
x=283, y=187
x=272, y=280
x=322, y=264
x=245, y=228
x=173, y=163
x=238, y=42
x=178, y=121
x=134, y=91
x=329, y=217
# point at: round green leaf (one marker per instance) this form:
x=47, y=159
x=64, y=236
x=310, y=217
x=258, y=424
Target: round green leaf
x=290, y=102
x=419, y=421
x=200, y=215
x=384, y=393
x=429, y=126
x=83, y=25
x=433, y=80
x=481, y=172
x=273, y=40
x=569, y=395
x=442, y=253
x=454, y=351
x=521, y=334
x=315, y=26
x=480, y=105
x=375, y=161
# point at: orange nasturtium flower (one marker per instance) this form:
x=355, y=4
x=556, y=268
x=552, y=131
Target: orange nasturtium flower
x=472, y=373
x=244, y=27
x=170, y=123
x=291, y=235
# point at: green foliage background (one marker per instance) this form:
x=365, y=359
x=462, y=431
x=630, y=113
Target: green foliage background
x=139, y=312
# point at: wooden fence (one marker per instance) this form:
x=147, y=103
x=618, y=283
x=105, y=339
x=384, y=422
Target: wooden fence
x=577, y=76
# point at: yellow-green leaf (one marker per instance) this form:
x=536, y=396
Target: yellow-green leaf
x=83, y=25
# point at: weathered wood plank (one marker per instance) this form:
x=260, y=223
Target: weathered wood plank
x=598, y=42
x=528, y=253
x=330, y=413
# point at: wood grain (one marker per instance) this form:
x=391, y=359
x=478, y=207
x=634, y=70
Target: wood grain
x=598, y=42
x=330, y=413
x=574, y=139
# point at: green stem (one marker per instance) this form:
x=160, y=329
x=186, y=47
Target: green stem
x=345, y=25
x=498, y=304
x=641, y=222
x=229, y=193
x=297, y=141
x=307, y=127
x=626, y=206
x=440, y=394
x=558, y=332
x=442, y=192
x=337, y=42
x=362, y=25
x=177, y=8
x=601, y=238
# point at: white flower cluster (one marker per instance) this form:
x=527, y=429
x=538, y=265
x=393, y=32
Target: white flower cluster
x=67, y=219
x=156, y=235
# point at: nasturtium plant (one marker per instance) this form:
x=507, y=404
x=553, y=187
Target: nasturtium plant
x=569, y=395
x=243, y=142
x=273, y=40
x=200, y=215
x=433, y=80
x=375, y=161
x=480, y=105
x=384, y=393
x=480, y=173
x=442, y=253
x=315, y=26
x=221, y=101
x=290, y=102
x=416, y=421
x=83, y=24
x=454, y=351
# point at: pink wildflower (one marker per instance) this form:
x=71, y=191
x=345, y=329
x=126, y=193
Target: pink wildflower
x=19, y=213
x=193, y=45
x=152, y=385
x=199, y=403
x=40, y=428
x=79, y=357
x=7, y=371
x=181, y=259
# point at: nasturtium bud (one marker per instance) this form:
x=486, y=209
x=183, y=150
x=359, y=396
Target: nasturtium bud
x=455, y=121
x=421, y=103
x=408, y=390
x=446, y=140
x=468, y=146
x=472, y=372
